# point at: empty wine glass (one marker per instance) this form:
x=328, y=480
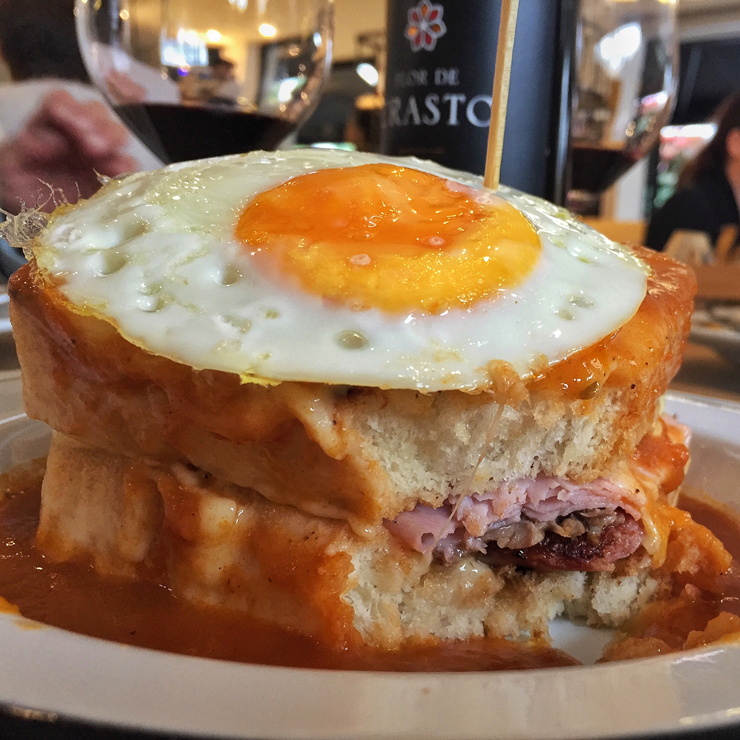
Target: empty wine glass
x=625, y=82
x=200, y=78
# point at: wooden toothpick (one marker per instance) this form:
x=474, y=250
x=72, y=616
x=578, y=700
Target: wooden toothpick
x=506, y=31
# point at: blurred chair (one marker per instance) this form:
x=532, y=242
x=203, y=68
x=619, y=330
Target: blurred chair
x=689, y=247
x=727, y=248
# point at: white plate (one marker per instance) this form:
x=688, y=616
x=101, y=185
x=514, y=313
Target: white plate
x=60, y=673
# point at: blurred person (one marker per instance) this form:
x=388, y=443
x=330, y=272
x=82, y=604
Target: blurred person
x=224, y=88
x=56, y=129
x=708, y=195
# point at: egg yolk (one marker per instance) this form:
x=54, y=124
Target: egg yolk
x=389, y=237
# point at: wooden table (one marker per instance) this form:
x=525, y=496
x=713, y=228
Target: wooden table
x=718, y=282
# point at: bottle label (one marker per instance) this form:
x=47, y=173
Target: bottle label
x=439, y=76
x=441, y=58
x=425, y=26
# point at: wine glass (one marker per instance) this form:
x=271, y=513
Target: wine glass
x=625, y=82
x=201, y=78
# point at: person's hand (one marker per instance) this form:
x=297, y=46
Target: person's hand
x=123, y=89
x=62, y=146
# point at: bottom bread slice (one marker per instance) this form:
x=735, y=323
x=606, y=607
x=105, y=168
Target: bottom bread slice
x=213, y=542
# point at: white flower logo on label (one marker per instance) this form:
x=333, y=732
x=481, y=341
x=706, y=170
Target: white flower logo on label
x=425, y=26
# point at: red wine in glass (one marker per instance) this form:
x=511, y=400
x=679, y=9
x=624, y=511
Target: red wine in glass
x=176, y=133
x=194, y=81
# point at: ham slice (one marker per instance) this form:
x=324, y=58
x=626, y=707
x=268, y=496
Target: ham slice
x=541, y=499
x=527, y=515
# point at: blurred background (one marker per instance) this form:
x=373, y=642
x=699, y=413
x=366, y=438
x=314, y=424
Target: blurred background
x=350, y=108
x=610, y=99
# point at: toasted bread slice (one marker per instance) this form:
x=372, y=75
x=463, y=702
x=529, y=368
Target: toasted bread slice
x=216, y=543
x=358, y=454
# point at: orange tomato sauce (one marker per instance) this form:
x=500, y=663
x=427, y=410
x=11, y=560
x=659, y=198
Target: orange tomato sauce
x=72, y=596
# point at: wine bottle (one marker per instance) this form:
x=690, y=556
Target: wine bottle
x=441, y=60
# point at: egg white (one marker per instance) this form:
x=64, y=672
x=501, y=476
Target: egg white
x=156, y=254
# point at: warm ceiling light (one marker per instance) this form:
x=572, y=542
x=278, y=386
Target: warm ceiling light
x=267, y=30
x=618, y=47
x=123, y=15
x=213, y=35
x=368, y=73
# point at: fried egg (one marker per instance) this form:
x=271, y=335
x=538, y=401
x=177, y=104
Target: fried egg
x=342, y=268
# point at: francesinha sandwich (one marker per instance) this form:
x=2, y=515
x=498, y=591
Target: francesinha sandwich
x=362, y=398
